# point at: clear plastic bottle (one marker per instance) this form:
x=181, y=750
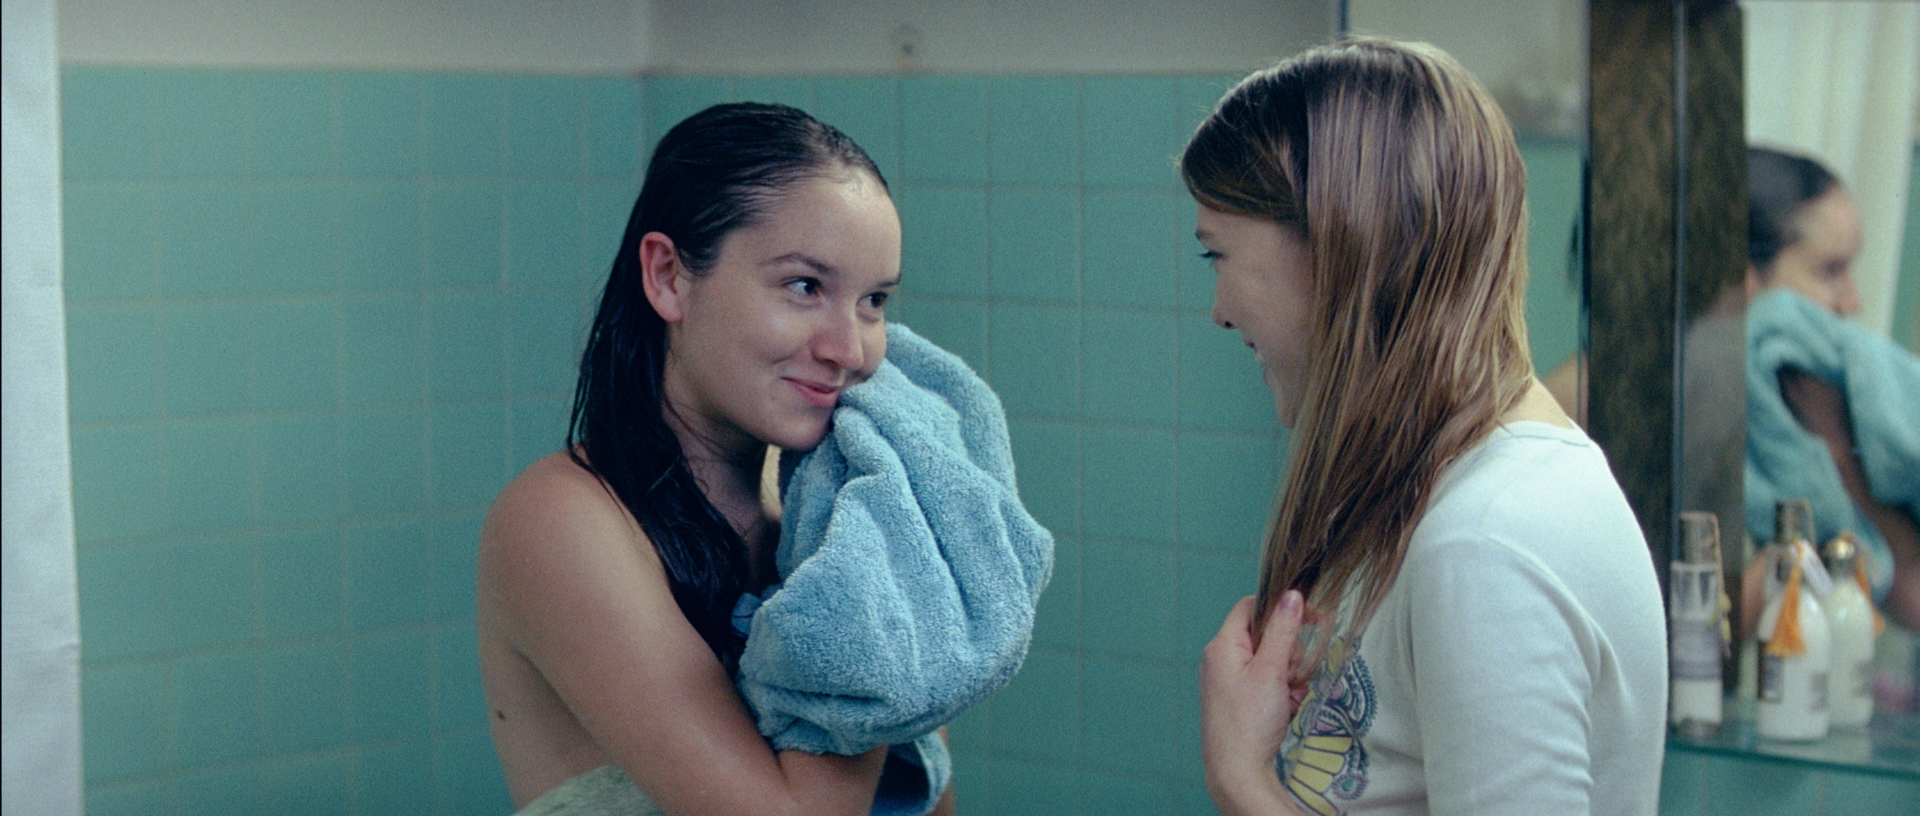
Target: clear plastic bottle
x=1694, y=620
x=1850, y=621
x=1796, y=654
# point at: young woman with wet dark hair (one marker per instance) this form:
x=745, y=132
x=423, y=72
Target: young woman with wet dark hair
x=748, y=292
x=717, y=172
x=1803, y=229
x=1804, y=232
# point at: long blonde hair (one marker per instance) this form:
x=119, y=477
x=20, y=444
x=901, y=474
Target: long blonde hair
x=1403, y=175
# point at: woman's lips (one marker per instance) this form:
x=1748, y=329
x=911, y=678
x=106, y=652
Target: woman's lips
x=816, y=394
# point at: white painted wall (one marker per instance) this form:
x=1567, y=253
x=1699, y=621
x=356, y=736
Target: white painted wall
x=565, y=36
x=1532, y=55
x=986, y=35
x=630, y=36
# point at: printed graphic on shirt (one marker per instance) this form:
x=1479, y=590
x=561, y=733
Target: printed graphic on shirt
x=1324, y=759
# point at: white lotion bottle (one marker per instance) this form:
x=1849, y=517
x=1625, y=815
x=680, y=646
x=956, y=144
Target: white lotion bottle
x=1850, y=621
x=1694, y=619
x=1793, y=677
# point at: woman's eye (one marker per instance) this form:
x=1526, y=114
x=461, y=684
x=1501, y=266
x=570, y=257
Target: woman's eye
x=805, y=287
x=1209, y=256
x=878, y=300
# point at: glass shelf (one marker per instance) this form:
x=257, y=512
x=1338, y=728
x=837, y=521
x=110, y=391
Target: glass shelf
x=1888, y=746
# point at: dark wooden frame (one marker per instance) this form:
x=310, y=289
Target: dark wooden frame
x=1666, y=238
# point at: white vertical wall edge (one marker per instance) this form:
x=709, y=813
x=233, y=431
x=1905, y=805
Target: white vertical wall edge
x=42, y=639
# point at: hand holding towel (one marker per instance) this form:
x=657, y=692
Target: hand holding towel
x=909, y=568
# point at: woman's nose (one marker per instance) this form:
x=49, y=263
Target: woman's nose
x=840, y=341
x=1220, y=319
x=1846, y=297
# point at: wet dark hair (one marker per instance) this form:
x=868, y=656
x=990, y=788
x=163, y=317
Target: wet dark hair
x=1779, y=186
x=715, y=172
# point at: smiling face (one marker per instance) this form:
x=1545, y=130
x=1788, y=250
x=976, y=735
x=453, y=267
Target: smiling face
x=1820, y=264
x=760, y=346
x=1263, y=288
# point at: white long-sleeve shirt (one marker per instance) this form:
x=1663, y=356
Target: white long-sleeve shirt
x=1518, y=663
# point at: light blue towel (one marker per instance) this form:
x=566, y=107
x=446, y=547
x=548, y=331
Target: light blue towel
x=1882, y=385
x=910, y=570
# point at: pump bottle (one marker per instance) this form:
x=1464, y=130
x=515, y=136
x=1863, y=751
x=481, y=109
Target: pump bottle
x=1695, y=615
x=1850, y=621
x=1796, y=643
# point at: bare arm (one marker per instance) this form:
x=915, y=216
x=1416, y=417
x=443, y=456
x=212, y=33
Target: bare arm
x=578, y=591
x=1821, y=408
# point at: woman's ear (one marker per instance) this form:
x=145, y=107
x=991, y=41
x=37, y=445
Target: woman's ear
x=663, y=276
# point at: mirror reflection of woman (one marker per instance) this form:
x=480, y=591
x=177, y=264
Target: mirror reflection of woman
x=1803, y=233
x=1803, y=230
x=1457, y=613
x=749, y=291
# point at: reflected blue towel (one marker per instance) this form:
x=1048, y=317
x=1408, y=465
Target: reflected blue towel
x=909, y=568
x=1882, y=385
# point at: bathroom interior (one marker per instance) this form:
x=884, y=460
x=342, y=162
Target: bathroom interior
x=324, y=269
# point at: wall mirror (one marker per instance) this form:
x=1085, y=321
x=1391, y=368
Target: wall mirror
x=1634, y=133
x=1836, y=82
x=1675, y=97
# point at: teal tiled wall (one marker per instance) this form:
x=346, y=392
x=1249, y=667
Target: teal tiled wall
x=317, y=318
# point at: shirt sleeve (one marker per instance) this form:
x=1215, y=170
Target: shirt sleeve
x=1503, y=660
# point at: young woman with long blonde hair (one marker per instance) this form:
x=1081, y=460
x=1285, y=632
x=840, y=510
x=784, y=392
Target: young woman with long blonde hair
x=1457, y=610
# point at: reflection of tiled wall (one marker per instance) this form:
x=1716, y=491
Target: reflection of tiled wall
x=318, y=318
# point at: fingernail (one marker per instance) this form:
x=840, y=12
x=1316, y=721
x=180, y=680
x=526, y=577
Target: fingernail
x=1291, y=601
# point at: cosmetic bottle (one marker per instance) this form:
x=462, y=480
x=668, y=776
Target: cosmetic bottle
x=1796, y=644
x=1695, y=615
x=1850, y=621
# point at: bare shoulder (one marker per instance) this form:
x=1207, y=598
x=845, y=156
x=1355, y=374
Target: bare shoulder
x=554, y=491
x=558, y=550
x=555, y=531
